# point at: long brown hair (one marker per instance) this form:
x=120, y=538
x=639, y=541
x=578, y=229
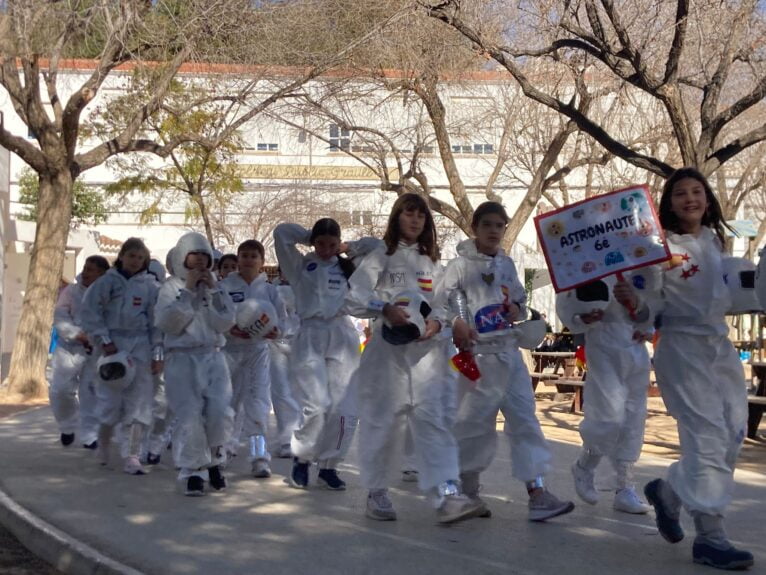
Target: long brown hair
x=713, y=217
x=131, y=244
x=427, y=241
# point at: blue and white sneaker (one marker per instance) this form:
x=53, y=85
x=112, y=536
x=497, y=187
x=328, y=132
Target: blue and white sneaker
x=328, y=478
x=299, y=476
x=665, y=516
x=729, y=558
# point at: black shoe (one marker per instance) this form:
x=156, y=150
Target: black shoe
x=330, y=480
x=730, y=558
x=217, y=480
x=668, y=526
x=67, y=439
x=152, y=458
x=92, y=445
x=195, y=486
x=299, y=476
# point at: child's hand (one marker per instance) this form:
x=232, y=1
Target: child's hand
x=207, y=279
x=432, y=328
x=462, y=335
x=396, y=315
x=625, y=294
x=237, y=332
x=512, y=311
x=592, y=317
x=109, y=348
x=193, y=277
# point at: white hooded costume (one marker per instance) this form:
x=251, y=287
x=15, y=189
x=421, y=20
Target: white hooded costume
x=401, y=382
x=489, y=282
x=325, y=353
x=197, y=379
x=700, y=374
x=72, y=392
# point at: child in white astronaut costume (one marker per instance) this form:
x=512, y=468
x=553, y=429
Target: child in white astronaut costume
x=618, y=378
x=72, y=393
x=325, y=353
x=405, y=380
x=699, y=373
x=248, y=357
x=286, y=410
x=495, y=298
x=118, y=316
x=194, y=313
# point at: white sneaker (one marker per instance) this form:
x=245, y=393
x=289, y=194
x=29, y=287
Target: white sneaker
x=133, y=466
x=410, y=475
x=627, y=501
x=584, y=484
x=379, y=506
x=261, y=469
x=458, y=507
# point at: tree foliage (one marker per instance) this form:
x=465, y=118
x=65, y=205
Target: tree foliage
x=88, y=205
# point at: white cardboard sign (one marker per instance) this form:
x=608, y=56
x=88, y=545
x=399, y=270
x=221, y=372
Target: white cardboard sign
x=600, y=236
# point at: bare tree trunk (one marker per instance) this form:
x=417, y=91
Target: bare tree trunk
x=198, y=199
x=30, y=352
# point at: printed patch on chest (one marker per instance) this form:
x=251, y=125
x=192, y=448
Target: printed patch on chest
x=311, y=267
x=490, y=318
x=488, y=278
x=237, y=296
x=397, y=278
x=426, y=284
x=137, y=300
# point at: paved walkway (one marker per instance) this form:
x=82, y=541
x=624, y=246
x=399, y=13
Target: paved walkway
x=262, y=526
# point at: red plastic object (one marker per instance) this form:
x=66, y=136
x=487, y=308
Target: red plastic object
x=465, y=363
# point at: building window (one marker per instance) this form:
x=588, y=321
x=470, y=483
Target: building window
x=361, y=218
x=340, y=138
x=474, y=149
x=266, y=147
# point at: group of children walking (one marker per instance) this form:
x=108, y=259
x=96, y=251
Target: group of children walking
x=232, y=344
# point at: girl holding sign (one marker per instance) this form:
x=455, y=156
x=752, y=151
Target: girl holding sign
x=618, y=376
x=495, y=298
x=699, y=373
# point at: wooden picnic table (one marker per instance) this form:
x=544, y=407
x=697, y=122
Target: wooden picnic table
x=554, y=359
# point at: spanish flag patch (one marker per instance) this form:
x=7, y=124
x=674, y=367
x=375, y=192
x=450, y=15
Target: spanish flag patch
x=425, y=284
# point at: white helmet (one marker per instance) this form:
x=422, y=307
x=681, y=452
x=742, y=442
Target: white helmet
x=157, y=270
x=258, y=318
x=418, y=309
x=117, y=370
x=594, y=295
x=529, y=333
x=739, y=275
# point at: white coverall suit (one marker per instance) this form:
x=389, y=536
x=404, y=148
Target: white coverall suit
x=505, y=384
x=286, y=410
x=618, y=378
x=197, y=379
x=249, y=362
x=122, y=309
x=397, y=382
x=325, y=353
x=72, y=392
x=700, y=374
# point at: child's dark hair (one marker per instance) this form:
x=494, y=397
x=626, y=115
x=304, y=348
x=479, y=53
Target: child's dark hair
x=99, y=261
x=251, y=245
x=132, y=244
x=488, y=208
x=226, y=258
x=427, y=243
x=713, y=217
x=329, y=227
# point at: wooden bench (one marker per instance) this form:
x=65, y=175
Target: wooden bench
x=576, y=386
x=755, y=408
x=545, y=377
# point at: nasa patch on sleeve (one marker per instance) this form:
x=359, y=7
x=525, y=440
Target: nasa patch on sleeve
x=311, y=267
